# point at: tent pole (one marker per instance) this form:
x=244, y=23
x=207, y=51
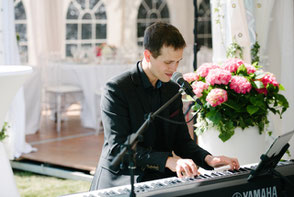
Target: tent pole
x=195, y=35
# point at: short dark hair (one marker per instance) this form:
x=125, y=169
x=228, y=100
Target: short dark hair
x=161, y=34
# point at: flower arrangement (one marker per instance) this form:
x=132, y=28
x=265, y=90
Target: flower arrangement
x=235, y=94
x=105, y=50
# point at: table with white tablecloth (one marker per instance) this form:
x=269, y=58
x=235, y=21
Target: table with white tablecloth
x=89, y=77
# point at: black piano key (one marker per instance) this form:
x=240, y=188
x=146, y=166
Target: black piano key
x=207, y=175
x=214, y=174
x=233, y=171
x=243, y=170
x=157, y=185
x=146, y=186
x=202, y=176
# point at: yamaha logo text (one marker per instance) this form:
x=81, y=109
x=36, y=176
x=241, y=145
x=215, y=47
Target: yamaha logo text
x=261, y=192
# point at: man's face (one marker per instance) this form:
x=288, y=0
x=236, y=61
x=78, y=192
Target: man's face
x=164, y=65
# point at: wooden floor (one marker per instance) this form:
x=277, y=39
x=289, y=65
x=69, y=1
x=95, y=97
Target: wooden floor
x=74, y=147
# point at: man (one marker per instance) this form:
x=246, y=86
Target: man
x=166, y=149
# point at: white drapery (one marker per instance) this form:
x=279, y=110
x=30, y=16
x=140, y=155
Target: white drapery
x=274, y=26
x=229, y=24
x=15, y=143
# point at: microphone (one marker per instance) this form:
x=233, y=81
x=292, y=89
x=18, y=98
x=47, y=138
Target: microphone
x=178, y=79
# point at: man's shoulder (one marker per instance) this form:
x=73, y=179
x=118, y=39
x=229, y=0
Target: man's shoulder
x=124, y=79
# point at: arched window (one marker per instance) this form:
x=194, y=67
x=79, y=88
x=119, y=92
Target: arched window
x=149, y=12
x=21, y=30
x=204, y=37
x=85, y=24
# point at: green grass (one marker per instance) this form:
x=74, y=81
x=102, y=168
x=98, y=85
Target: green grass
x=35, y=185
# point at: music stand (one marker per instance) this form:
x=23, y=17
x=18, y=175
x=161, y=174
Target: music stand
x=270, y=159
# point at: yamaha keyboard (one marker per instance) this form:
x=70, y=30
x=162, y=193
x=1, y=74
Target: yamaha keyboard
x=232, y=183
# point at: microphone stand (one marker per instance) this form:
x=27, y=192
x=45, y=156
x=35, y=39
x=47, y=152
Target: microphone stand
x=131, y=143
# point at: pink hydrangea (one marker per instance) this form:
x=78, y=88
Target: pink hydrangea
x=240, y=85
x=190, y=77
x=204, y=69
x=216, y=97
x=198, y=87
x=262, y=91
x=250, y=69
x=268, y=78
x=232, y=64
x=218, y=76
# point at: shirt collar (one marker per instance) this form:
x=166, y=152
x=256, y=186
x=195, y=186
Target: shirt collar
x=145, y=80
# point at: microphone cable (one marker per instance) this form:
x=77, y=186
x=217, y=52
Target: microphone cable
x=177, y=122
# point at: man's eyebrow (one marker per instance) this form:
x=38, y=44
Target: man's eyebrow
x=173, y=60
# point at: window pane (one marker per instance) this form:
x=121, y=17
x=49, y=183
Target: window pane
x=140, y=43
x=204, y=25
x=153, y=16
x=87, y=16
x=141, y=29
x=86, y=31
x=100, y=31
x=100, y=13
x=19, y=11
x=158, y=11
x=91, y=29
x=69, y=49
x=164, y=12
x=200, y=27
x=71, y=31
x=82, y=3
x=157, y=3
x=93, y=3
x=142, y=12
x=21, y=30
x=73, y=12
x=149, y=3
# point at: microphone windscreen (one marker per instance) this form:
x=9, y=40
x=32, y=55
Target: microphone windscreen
x=176, y=76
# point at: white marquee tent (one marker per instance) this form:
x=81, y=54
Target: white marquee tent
x=270, y=22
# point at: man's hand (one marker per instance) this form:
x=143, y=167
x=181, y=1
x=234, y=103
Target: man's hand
x=183, y=167
x=218, y=161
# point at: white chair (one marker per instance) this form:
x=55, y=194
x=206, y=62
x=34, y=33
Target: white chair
x=60, y=91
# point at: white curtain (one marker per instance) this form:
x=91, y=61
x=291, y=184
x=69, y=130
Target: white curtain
x=45, y=35
x=15, y=143
x=7, y=48
x=229, y=24
x=281, y=58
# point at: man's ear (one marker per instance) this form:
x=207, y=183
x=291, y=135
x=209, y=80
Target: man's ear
x=147, y=55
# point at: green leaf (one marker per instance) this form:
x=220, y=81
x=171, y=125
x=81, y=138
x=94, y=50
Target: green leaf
x=259, y=74
x=232, y=104
x=227, y=131
x=258, y=84
x=281, y=87
x=251, y=109
x=214, y=116
x=242, y=123
x=258, y=100
x=282, y=100
x=242, y=69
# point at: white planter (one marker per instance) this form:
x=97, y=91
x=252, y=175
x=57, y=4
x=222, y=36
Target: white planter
x=247, y=145
x=7, y=183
